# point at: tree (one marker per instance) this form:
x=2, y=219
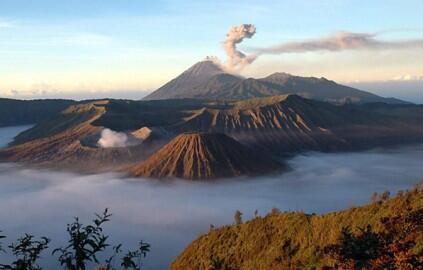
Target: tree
x=217, y=264
x=238, y=217
x=374, y=198
x=385, y=196
x=1, y=247
x=356, y=251
x=27, y=251
x=85, y=242
x=391, y=248
x=275, y=211
x=84, y=245
x=132, y=259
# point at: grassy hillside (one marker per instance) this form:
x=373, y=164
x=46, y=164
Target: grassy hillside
x=291, y=240
x=21, y=112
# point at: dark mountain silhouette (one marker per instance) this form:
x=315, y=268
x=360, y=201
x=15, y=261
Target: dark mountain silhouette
x=204, y=156
x=323, y=89
x=206, y=80
x=181, y=86
x=15, y=112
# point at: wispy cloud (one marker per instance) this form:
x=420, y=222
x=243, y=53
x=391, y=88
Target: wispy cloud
x=340, y=41
x=37, y=90
x=408, y=77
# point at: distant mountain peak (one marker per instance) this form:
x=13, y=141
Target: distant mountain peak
x=204, y=68
x=208, y=80
x=187, y=80
x=279, y=75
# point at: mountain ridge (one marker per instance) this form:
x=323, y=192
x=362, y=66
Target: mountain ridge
x=278, y=126
x=15, y=112
x=207, y=80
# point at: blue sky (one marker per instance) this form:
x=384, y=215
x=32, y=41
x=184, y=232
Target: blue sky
x=91, y=47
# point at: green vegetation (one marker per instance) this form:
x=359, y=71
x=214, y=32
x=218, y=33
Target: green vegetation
x=27, y=251
x=393, y=247
x=238, y=217
x=86, y=243
x=387, y=232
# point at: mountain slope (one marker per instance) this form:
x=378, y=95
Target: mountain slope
x=291, y=240
x=206, y=80
x=15, y=112
x=69, y=141
x=233, y=88
x=181, y=86
x=287, y=124
x=322, y=89
x=204, y=156
x=277, y=125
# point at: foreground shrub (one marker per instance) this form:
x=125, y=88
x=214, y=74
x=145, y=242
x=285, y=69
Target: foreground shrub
x=85, y=245
x=391, y=248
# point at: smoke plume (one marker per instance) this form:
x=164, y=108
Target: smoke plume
x=338, y=42
x=110, y=138
x=236, y=59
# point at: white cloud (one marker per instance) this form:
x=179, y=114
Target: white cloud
x=10, y=93
x=36, y=90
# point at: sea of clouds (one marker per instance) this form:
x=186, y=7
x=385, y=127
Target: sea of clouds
x=171, y=214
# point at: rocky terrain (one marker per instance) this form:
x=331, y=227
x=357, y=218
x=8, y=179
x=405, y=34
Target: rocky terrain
x=204, y=156
x=276, y=126
x=69, y=141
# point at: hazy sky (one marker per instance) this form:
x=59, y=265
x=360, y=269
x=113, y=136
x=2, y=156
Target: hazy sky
x=81, y=48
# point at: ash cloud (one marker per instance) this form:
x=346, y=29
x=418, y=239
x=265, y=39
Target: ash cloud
x=340, y=41
x=237, y=60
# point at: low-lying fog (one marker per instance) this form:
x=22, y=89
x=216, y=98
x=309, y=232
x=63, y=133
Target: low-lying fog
x=170, y=215
x=8, y=133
